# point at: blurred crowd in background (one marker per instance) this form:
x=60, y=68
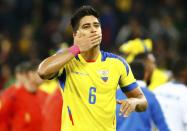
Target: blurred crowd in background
x=34, y=29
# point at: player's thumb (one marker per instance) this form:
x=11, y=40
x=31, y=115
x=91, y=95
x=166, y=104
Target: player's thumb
x=119, y=101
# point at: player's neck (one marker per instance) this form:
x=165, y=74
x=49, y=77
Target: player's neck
x=31, y=87
x=18, y=84
x=91, y=54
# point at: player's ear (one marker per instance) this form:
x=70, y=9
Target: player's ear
x=76, y=33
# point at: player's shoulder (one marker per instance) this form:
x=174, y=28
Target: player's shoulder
x=8, y=90
x=112, y=56
x=115, y=60
x=9, y=93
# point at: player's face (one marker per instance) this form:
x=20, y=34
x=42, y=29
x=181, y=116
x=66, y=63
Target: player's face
x=150, y=63
x=20, y=77
x=34, y=78
x=89, y=25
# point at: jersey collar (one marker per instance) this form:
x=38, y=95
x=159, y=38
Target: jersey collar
x=83, y=60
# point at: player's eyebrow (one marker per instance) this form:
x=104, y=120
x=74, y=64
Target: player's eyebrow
x=86, y=24
x=96, y=23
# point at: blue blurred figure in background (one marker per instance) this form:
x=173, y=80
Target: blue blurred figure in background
x=141, y=121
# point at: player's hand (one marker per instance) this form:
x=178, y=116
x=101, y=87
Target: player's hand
x=127, y=106
x=85, y=43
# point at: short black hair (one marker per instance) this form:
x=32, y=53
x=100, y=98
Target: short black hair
x=179, y=66
x=22, y=67
x=138, y=69
x=85, y=10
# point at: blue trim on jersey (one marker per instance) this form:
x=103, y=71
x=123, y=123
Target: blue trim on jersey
x=129, y=87
x=111, y=55
x=62, y=79
x=77, y=58
x=69, y=111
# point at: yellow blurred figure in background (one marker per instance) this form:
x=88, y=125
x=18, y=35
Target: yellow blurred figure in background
x=135, y=47
x=51, y=85
x=141, y=50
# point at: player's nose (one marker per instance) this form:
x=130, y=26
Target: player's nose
x=93, y=29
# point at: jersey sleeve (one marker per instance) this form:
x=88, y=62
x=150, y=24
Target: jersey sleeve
x=155, y=109
x=127, y=82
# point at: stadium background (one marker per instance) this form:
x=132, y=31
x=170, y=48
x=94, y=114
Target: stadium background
x=32, y=29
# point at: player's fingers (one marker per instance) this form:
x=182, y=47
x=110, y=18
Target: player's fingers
x=125, y=111
x=95, y=37
x=124, y=107
x=92, y=35
x=95, y=43
x=119, y=101
x=96, y=40
x=128, y=111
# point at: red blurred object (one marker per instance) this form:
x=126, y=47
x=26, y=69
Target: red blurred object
x=52, y=112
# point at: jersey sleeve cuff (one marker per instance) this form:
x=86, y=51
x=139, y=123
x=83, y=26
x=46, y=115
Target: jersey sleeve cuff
x=129, y=87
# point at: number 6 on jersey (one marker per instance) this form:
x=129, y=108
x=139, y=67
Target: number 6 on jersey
x=92, y=95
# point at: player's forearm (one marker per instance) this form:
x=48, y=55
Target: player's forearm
x=51, y=65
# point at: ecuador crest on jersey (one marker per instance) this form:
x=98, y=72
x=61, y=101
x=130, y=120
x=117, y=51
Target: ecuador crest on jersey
x=104, y=75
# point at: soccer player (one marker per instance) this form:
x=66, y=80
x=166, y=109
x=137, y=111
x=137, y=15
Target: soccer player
x=141, y=121
x=89, y=78
x=173, y=99
x=21, y=104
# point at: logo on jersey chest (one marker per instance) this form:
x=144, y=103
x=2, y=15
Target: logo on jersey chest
x=104, y=75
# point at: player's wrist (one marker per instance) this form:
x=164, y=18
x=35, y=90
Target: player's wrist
x=75, y=50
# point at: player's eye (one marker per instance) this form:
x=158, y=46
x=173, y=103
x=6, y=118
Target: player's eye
x=86, y=26
x=97, y=25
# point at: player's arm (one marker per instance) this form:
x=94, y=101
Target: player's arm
x=51, y=65
x=136, y=100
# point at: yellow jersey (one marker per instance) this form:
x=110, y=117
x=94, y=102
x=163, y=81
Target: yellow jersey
x=158, y=78
x=89, y=91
